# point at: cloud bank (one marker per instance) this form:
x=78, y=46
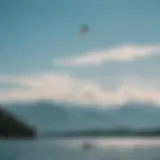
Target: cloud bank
x=65, y=88
x=121, y=53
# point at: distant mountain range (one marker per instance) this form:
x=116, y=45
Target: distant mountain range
x=48, y=117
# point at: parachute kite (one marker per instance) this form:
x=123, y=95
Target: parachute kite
x=84, y=29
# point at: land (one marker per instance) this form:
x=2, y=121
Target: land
x=10, y=127
x=103, y=133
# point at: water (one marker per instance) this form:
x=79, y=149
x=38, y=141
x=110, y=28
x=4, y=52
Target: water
x=70, y=149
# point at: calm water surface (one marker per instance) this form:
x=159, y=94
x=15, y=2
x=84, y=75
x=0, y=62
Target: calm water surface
x=70, y=149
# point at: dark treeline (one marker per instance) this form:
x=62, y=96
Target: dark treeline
x=101, y=133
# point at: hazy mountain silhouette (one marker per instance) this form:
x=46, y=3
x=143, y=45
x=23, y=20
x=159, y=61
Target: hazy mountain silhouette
x=48, y=116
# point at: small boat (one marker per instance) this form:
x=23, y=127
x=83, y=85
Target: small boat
x=87, y=145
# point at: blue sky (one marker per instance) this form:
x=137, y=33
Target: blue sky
x=35, y=34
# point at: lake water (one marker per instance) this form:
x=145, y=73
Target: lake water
x=70, y=149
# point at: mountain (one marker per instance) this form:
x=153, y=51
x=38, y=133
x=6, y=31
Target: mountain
x=10, y=127
x=48, y=116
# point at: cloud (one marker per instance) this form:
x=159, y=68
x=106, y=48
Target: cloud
x=121, y=53
x=65, y=88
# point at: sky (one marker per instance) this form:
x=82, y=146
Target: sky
x=43, y=56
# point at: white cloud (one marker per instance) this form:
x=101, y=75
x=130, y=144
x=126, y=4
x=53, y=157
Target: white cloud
x=121, y=53
x=60, y=87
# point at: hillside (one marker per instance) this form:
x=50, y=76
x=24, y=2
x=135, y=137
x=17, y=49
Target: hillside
x=11, y=127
